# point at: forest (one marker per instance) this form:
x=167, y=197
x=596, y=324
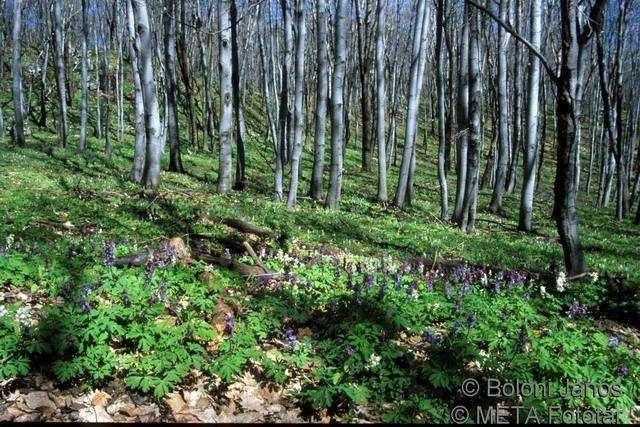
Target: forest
x=327, y=211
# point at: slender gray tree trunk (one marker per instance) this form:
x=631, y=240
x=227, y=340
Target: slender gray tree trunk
x=516, y=136
x=298, y=111
x=322, y=86
x=97, y=130
x=84, y=104
x=442, y=178
x=240, y=177
x=151, y=173
x=531, y=143
x=16, y=73
x=381, y=100
x=140, y=132
x=226, y=97
x=503, y=117
x=462, y=118
x=337, y=105
x=171, y=84
x=402, y=196
x=63, y=126
x=469, y=206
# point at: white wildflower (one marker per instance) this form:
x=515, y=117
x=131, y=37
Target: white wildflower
x=208, y=268
x=10, y=239
x=373, y=361
x=594, y=276
x=561, y=281
x=484, y=279
x=543, y=291
x=23, y=315
x=3, y=311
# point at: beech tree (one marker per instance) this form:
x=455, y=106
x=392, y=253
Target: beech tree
x=337, y=105
x=16, y=74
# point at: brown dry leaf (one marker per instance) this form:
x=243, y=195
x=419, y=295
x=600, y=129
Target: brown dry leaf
x=175, y=403
x=123, y=405
x=181, y=250
x=218, y=321
x=171, y=320
x=27, y=418
x=250, y=402
x=213, y=346
x=100, y=398
x=96, y=414
x=196, y=399
x=39, y=401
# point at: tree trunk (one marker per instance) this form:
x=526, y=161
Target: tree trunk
x=469, y=206
x=381, y=100
x=63, y=125
x=16, y=73
x=442, y=142
x=321, y=100
x=171, y=83
x=403, y=190
x=503, y=117
x=226, y=95
x=235, y=84
x=517, y=105
x=564, y=209
x=337, y=105
x=140, y=135
x=84, y=78
x=462, y=119
x=298, y=112
x=531, y=144
x=185, y=73
x=151, y=173
x=363, y=72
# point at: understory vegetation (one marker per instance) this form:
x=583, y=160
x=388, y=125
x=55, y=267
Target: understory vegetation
x=376, y=313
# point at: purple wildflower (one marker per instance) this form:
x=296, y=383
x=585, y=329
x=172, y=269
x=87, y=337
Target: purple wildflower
x=85, y=306
x=429, y=279
x=622, y=371
x=290, y=338
x=412, y=288
x=471, y=321
x=522, y=339
x=526, y=296
x=229, y=323
x=368, y=281
x=456, y=327
x=349, y=351
x=86, y=288
x=431, y=337
x=576, y=309
x=613, y=341
x=406, y=267
x=448, y=290
x=383, y=288
x=398, y=280
x=108, y=257
x=149, y=268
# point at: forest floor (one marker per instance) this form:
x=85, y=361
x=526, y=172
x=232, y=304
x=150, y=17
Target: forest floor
x=379, y=314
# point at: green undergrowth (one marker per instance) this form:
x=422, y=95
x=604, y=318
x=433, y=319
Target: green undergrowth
x=398, y=351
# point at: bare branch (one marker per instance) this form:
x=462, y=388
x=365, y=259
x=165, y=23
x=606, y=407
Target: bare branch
x=514, y=33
